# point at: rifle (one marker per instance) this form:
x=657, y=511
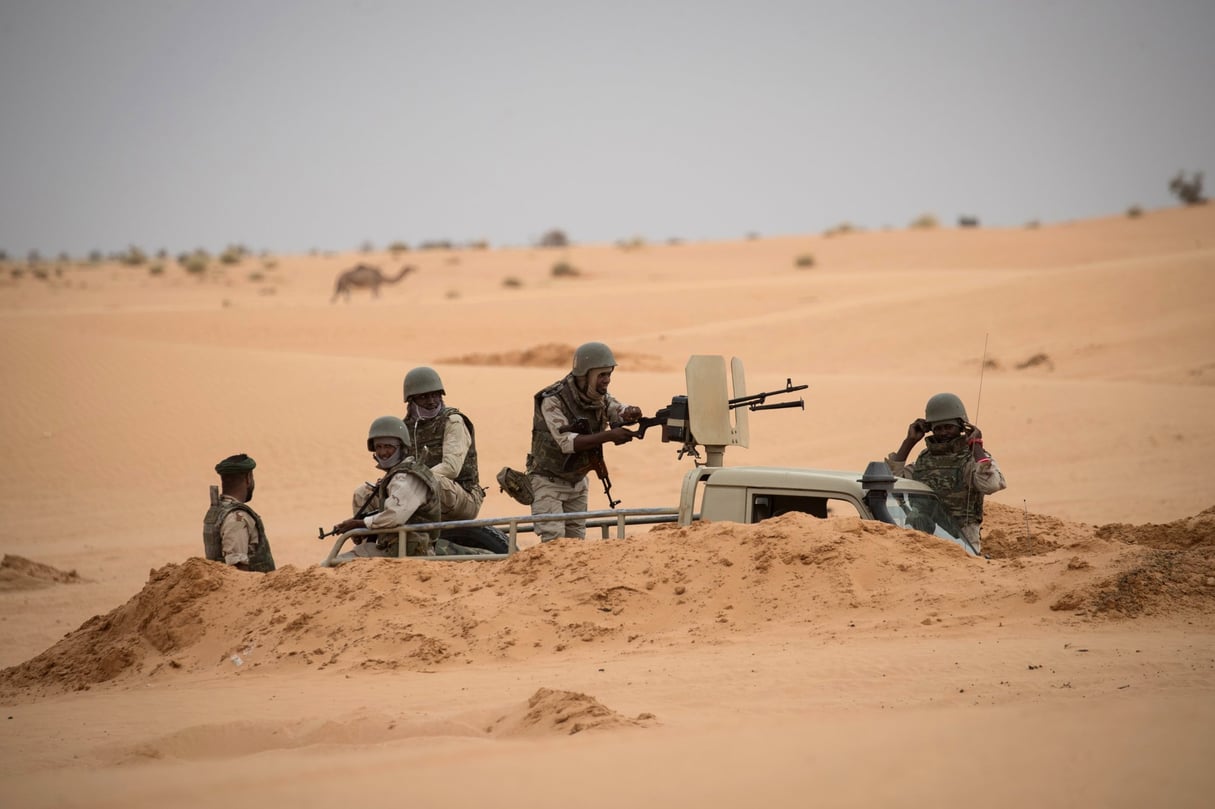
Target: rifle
x=595, y=459
x=364, y=511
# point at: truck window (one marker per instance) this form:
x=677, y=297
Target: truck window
x=764, y=506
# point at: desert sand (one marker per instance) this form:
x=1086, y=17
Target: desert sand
x=793, y=662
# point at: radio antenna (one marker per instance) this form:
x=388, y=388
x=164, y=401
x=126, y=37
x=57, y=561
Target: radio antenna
x=982, y=368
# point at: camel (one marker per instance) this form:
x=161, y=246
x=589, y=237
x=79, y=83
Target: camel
x=365, y=275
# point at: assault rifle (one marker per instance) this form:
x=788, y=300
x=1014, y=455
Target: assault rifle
x=673, y=419
x=364, y=511
x=595, y=460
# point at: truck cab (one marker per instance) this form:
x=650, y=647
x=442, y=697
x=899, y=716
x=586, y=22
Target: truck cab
x=751, y=494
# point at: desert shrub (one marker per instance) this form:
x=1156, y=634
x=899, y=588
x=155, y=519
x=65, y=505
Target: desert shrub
x=511, y=282
x=924, y=221
x=436, y=244
x=17, y=272
x=367, y=247
x=3, y=255
x=452, y=294
x=1188, y=191
x=257, y=277
x=40, y=272
x=478, y=244
x=554, y=238
x=1033, y=224
x=195, y=263
x=634, y=243
x=805, y=260
x=133, y=257
x=841, y=229
x=96, y=256
x=269, y=263
x=563, y=269
x=33, y=257
x=1134, y=212
x=396, y=248
x=752, y=236
x=64, y=257
x=157, y=268
x=968, y=221
x=233, y=254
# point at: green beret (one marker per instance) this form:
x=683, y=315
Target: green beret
x=235, y=464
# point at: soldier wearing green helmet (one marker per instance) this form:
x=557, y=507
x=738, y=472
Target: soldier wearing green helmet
x=559, y=460
x=445, y=440
x=408, y=492
x=953, y=462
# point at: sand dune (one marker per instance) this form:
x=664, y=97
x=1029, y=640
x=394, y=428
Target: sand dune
x=710, y=665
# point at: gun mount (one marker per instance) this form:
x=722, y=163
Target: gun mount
x=703, y=416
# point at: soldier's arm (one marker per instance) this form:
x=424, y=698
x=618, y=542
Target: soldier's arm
x=405, y=494
x=237, y=534
x=456, y=441
x=555, y=420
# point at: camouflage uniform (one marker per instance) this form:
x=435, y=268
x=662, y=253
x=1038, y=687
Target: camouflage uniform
x=408, y=493
x=557, y=473
x=949, y=468
x=447, y=444
x=234, y=534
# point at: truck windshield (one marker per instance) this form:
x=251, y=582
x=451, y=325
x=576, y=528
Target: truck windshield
x=924, y=512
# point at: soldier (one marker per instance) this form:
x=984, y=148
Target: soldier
x=561, y=452
x=444, y=439
x=953, y=462
x=408, y=492
x=232, y=531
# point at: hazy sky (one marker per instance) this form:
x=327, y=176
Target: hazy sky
x=295, y=125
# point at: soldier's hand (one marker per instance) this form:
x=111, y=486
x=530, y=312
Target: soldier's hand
x=630, y=414
x=621, y=435
x=918, y=429
x=348, y=525
x=973, y=434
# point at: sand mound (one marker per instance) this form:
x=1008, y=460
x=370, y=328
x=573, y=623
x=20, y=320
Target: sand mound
x=705, y=583
x=561, y=712
x=19, y=573
x=1190, y=532
x=555, y=355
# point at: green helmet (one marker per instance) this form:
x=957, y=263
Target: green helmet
x=944, y=407
x=592, y=355
x=387, y=427
x=422, y=380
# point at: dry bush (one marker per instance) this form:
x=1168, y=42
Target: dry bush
x=563, y=269
x=924, y=221
x=511, y=282
x=554, y=238
x=804, y=261
x=1134, y=212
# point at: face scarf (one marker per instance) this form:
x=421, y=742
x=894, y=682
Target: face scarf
x=419, y=414
x=392, y=460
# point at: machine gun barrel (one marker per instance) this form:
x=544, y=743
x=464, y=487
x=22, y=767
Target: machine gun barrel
x=778, y=405
x=756, y=401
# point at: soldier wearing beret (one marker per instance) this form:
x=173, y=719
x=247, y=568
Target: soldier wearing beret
x=232, y=532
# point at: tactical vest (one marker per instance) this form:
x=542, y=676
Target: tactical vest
x=546, y=457
x=428, y=444
x=417, y=543
x=260, y=558
x=945, y=472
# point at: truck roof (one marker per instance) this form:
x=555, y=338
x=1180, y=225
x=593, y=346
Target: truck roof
x=781, y=477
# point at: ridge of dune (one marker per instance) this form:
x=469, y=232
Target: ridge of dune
x=672, y=586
